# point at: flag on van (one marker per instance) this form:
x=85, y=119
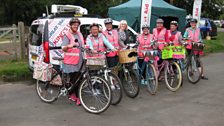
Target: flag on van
x=46, y=44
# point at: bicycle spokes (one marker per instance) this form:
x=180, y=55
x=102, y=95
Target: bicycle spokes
x=173, y=76
x=95, y=94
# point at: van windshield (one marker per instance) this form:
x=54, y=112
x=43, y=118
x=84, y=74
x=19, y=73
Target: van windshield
x=36, y=35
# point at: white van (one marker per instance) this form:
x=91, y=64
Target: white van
x=57, y=25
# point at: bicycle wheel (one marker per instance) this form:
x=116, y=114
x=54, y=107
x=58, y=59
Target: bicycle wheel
x=116, y=88
x=95, y=94
x=201, y=68
x=193, y=71
x=47, y=93
x=151, y=78
x=173, y=76
x=130, y=82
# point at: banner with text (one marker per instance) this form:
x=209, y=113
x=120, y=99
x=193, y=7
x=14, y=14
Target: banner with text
x=197, y=10
x=146, y=8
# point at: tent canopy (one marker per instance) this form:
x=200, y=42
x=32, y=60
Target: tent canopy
x=131, y=11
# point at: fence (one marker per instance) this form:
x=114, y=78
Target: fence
x=14, y=42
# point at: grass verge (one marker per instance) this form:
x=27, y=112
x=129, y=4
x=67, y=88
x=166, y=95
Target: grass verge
x=14, y=71
x=216, y=44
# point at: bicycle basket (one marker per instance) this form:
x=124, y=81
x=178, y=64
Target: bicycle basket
x=198, y=46
x=175, y=52
x=124, y=58
x=95, y=63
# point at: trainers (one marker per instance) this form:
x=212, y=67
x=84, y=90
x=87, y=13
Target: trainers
x=204, y=78
x=73, y=97
x=78, y=102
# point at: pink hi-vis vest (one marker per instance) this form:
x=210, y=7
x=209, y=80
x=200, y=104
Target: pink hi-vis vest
x=143, y=42
x=176, y=40
x=159, y=37
x=113, y=39
x=72, y=55
x=97, y=46
x=193, y=37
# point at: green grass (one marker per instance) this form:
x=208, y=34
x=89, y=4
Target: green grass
x=216, y=44
x=14, y=71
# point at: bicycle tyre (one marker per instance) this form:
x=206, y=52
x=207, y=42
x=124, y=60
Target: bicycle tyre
x=116, y=89
x=86, y=103
x=152, y=86
x=131, y=89
x=169, y=85
x=197, y=69
x=41, y=86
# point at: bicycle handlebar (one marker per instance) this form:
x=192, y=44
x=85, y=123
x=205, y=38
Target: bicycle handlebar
x=54, y=48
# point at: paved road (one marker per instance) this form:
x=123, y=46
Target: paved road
x=192, y=105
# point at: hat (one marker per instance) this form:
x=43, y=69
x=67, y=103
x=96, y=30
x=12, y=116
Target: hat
x=94, y=24
x=159, y=20
x=74, y=20
x=194, y=20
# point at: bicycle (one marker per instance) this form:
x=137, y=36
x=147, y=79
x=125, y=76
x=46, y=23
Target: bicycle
x=126, y=72
x=113, y=80
x=148, y=69
x=172, y=72
x=94, y=91
x=193, y=64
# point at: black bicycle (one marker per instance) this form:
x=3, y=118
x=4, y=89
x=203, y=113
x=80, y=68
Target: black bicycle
x=193, y=63
x=94, y=91
x=112, y=78
x=126, y=69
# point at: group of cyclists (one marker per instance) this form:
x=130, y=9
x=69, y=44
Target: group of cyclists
x=115, y=39
x=125, y=64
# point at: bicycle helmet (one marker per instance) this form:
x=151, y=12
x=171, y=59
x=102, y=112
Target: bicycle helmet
x=145, y=26
x=108, y=20
x=174, y=23
x=74, y=20
x=188, y=17
x=194, y=20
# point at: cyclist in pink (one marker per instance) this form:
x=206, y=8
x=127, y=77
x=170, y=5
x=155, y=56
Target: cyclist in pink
x=193, y=34
x=73, y=58
x=160, y=33
x=174, y=35
x=112, y=36
x=97, y=42
x=144, y=40
x=160, y=36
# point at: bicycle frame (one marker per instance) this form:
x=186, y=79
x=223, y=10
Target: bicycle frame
x=191, y=58
x=144, y=66
x=160, y=67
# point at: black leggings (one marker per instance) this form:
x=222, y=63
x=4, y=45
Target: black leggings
x=73, y=78
x=112, y=61
x=140, y=63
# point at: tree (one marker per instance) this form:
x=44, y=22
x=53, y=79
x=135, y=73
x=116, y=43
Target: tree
x=12, y=11
x=210, y=8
